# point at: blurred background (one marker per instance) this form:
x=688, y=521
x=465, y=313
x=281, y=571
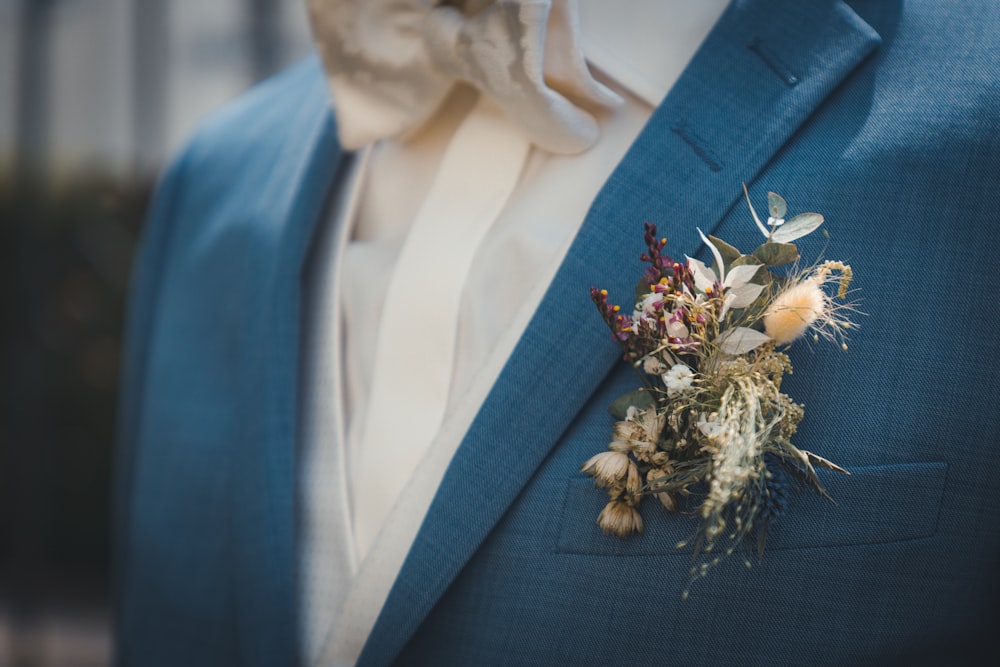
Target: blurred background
x=95, y=95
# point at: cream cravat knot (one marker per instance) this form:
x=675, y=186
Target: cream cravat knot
x=390, y=64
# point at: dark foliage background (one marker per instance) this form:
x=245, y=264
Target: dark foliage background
x=65, y=255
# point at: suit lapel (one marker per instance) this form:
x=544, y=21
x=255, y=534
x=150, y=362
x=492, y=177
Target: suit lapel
x=762, y=70
x=284, y=215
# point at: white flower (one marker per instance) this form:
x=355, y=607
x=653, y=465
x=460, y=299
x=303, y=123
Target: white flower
x=678, y=379
x=736, y=285
x=648, y=302
x=645, y=311
x=607, y=467
x=675, y=324
x=677, y=330
x=620, y=518
x=709, y=426
x=638, y=433
x=653, y=365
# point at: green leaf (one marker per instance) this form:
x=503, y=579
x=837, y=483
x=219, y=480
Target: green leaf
x=776, y=205
x=640, y=399
x=746, y=260
x=728, y=252
x=797, y=227
x=776, y=254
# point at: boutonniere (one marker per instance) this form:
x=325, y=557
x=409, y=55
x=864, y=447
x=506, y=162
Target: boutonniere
x=709, y=420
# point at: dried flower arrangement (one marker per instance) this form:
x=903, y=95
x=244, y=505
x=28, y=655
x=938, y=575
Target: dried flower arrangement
x=710, y=419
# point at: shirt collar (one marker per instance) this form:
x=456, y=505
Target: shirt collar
x=644, y=45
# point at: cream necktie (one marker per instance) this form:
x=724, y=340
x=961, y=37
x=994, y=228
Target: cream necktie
x=417, y=331
x=390, y=64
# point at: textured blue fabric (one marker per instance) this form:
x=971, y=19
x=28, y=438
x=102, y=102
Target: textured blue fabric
x=882, y=115
x=206, y=517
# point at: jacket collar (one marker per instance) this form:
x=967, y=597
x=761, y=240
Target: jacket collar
x=646, y=48
x=763, y=69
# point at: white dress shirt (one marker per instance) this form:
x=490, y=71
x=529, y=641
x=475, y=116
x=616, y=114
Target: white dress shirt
x=638, y=49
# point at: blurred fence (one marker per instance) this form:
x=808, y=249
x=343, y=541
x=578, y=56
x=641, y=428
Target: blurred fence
x=94, y=97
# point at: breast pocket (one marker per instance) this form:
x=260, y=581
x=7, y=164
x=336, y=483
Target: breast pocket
x=874, y=504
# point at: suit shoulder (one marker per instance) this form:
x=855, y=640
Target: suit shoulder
x=242, y=155
x=257, y=123
x=226, y=199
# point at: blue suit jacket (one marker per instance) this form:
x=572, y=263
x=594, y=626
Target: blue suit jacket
x=881, y=114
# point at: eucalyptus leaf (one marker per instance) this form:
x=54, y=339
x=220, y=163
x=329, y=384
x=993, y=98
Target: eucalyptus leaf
x=776, y=254
x=729, y=253
x=746, y=260
x=776, y=205
x=797, y=227
x=760, y=225
x=741, y=340
x=640, y=399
